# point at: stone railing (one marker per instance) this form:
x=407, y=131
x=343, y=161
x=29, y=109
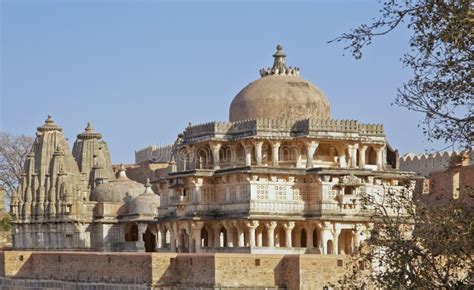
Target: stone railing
x=284, y=128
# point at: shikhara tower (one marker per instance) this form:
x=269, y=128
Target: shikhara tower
x=281, y=176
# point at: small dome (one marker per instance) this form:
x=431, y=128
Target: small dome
x=280, y=93
x=146, y=203
x=121, y=189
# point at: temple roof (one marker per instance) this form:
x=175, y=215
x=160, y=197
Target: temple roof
x=280, y=93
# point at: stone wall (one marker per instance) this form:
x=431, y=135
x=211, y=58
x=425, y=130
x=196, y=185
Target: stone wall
x=456, y=182
x=424, y=164
x=5, y=239
x=74, y=270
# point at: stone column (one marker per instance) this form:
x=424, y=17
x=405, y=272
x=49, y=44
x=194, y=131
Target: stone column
x=309, y=235
x=141, y=231
x=356, y=236
x=210, y=237
x=196, y=228
x=311, y=147
x=163, y=237
x=197, y=242
x=362, y=150
x=192, y=157
x=215, y=147
x=341, y=152
x=336, y=234
x=233, y=156
x=288, y=226
x=248, y=153
x=159, y=238
x=258, y=152
x=229, y=227
x=353, y=151
x=252, y=226
x=240, y=234
x=270, y=226
x=259, y=239
x=380, y=163
x=275, y=154
x=173, y=236
x=217, y=235
x=325, y=236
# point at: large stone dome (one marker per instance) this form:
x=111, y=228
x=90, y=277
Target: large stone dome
x=280, y=93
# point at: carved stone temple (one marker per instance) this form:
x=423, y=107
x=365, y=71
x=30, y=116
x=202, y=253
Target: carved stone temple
x=281, y=176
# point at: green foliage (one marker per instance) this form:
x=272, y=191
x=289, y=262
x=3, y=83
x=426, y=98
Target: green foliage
x=440, y=58
x=416, y=242
x=5, y=223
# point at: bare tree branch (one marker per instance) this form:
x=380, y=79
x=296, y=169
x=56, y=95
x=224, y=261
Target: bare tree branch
x=13, y=152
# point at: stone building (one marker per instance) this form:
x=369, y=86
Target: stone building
x=447, y=175
x=281, y=176
x=71, y=199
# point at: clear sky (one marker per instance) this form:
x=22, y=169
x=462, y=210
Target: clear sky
x=141, y=70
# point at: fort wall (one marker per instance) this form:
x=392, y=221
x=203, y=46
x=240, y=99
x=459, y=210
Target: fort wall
x=86, y=270
x=424, y=164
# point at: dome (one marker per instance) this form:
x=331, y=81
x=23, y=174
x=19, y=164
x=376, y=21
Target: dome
x=121, y=189
x=280, y=93
x=146, y=203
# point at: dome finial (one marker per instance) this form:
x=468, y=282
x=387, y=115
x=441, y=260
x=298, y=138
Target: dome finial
x=122, y=172
x=89, y=126
x=279, y=65
x=148, y=189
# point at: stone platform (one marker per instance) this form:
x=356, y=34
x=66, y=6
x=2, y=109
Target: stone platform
x=94, y=270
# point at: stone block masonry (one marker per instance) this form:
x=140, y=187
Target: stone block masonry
x=92, y=270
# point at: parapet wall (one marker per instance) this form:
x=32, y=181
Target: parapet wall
x=176, y=271
x=153, y=153
x=424, y=164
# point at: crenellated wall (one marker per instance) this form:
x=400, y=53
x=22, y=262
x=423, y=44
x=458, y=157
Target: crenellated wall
x=424, y=164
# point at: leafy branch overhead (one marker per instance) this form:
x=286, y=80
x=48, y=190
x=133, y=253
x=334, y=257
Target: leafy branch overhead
x=417, y=241
x=440, y=58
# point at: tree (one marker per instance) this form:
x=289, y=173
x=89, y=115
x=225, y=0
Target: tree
x=13, y=152
x=415, y=243
x=440, y=57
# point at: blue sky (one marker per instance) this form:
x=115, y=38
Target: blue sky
x=141, y=70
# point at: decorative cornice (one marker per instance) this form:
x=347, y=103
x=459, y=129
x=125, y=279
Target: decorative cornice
x=278, y=128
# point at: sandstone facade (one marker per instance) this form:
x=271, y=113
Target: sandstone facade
x=168, y=271
x=285, y=183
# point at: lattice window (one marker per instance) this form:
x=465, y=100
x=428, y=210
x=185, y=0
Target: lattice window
x=244, y=192
x=297, y=193
x=232, y=193
x=262, y=191
x=280, y=192
x=114, y=234
x=207, y=194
